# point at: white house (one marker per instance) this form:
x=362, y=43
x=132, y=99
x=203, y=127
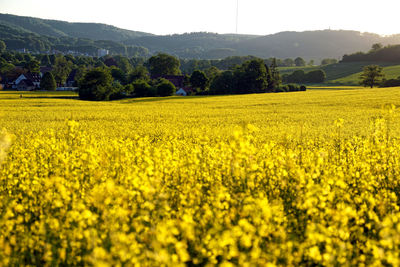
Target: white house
x=31, y=77
x=181, y=92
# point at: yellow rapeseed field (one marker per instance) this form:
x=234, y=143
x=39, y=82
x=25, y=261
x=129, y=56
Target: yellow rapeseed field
x=308, y=178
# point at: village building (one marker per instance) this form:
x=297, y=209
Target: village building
x=25, y=85
x=178, y=81
x=31, y=81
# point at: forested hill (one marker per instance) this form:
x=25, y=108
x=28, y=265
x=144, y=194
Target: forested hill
x=41, y=35
x=309, y=44
x=56, y=28
x=313, y=44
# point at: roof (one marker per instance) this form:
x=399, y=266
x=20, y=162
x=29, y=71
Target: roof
x=26, y=82
x=34, y=77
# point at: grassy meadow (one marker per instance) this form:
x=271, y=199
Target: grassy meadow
x=346, y=73
x=306, y=178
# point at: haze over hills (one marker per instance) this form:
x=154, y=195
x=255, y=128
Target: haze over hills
x=55, y=28
x=41, y=35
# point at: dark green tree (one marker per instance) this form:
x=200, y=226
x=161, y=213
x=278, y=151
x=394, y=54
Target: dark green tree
x=199, y=80
x=138, y=73
x=297, y=76
x=376, y=47
x=372, y=75
x=275, y=78
x=288, y=62
x=165, y=88
x=123, y=64
x=224, y=83
x=48, y=83
x=315, y=76
x=61, y=70
x=142, y=88
x=299, y=62
x=252, y=77
x=32, y=66
x=99, y=64
x=163, y=64
x=96, y=85
x=45, y=60
x=212, y=72
x=119, y=75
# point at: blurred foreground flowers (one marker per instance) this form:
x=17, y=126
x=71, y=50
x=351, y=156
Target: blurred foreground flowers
x=69, y=199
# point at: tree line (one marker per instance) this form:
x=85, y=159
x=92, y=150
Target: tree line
x=300, y=76
x=112, y=77
x=253, y=76
x=378, y=53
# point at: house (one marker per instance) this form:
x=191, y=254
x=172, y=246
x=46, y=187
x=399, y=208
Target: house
x=178, y=81
x=181, y=92
x=25, y=85
x=184, y=91
x=30, y=78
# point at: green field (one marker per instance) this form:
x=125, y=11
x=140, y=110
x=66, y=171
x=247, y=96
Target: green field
x=346, y=73
x=391, y=72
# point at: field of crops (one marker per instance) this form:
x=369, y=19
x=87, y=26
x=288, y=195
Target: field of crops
x=306, y=178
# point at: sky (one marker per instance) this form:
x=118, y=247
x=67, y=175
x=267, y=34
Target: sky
x=259, y=17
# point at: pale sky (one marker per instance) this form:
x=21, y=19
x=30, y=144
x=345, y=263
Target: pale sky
x=255, y=16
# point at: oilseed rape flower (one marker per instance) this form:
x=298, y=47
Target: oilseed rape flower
x=68, y=197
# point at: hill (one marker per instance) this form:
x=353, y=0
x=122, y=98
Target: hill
x=56, y=28
x=314, y=45
x=40, y=34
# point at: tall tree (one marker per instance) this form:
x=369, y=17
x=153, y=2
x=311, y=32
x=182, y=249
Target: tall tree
x=163, y=64
x=252, y=77
x=199, y=80
x=288, y=62
x=371, y=76
x=376, y=47
x=48, y=83
x=45, y=60
x=299, y=62
x=138, y=73
x=223, y=83
x=61, y=69
x=96, y=85
x=165, y=88
x=32, y=66
x=315, y=76
x=275, y=80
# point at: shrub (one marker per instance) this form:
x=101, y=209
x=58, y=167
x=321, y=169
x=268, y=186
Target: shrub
x=165, y=88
